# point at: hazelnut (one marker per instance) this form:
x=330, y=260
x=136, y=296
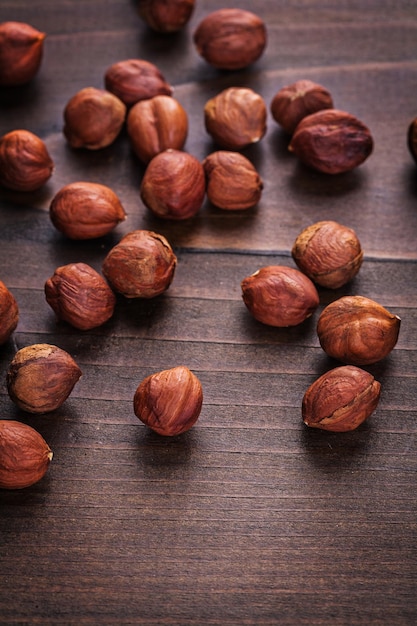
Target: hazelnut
x=170, y=401
x=232, y=181
x=24, y=455
x=340, y=400
x=331, y=141
x=294, y=102
x=279, y=296
x=21, y=51
x=412, y=139
x=41, y=377
x=25, y=164
x=9, y=313
x=166, y=16
x=357, y=330
x=173, y=185
x=80, y=296
x=329, y=253
x=156, y=124
x=83, y=210
x=93, y=119
x=230, y=39
x=135, y=79
x=236, y=118
x=141, y=265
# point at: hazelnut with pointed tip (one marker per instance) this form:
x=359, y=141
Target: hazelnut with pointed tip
x=357, y=330
x=170, y=401
x=135, y=79
x=24, y=455
x=21, y=52
x=25, y=163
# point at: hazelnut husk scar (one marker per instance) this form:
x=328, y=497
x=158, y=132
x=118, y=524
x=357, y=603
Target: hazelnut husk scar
x=341, y=399
x=170, y=401
x=41, y=377
x=24, y=455
x=331, y=141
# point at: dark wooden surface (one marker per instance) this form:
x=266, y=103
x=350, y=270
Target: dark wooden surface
x=249, y=518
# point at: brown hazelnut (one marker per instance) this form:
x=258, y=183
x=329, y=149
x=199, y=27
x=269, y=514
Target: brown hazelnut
x=156, y=124
x=294, y=102
x=25, y=164
x=279, y=296
x=93, y=119
x=331, y=141
x=80, y=296
x=141, y=265
x=9, y=313
x=232, y=181
x=21, y=51
x=166, y=16
x=412, y=139
x=84, y=210
x=173, y=185
x=24, y=455
x=230, y=39
x=135, y=79
x=236, y=118
x=357, y=330
x=170, y=401
x=41, y=377
x=341, y=399
x=329, y=253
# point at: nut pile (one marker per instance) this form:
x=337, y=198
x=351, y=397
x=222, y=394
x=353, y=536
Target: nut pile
x=353, y=330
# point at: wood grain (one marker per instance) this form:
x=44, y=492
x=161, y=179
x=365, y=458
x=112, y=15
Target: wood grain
x=249, y=518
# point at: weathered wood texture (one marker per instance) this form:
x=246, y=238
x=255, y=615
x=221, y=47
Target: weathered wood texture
x=249, y=518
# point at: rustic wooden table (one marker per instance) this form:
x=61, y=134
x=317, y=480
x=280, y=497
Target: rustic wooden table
x=249, y=518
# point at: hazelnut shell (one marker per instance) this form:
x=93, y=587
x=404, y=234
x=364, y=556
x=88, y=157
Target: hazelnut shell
x=9, y=313
x=25, y=163
x=166, y=17
x=294, y=102
x=21, y=52
x=232, y=182
x=135, y=79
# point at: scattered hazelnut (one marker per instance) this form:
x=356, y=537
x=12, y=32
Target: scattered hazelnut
x=357, y=330
x=156, y=124
x=135, y=79
x=25, y=164
x=24, y=455
x=294, y=102
x=41, y=377
x=232, y=181
x=93, y=119
x=84, y=210
x=412, y=138
x=236, y=118
x=21, y=51
x=230, y=39
x=279, y=296
x=80, y=296
x=173, y=185
x=170, y=401
x=141, y=265
x=331, y=141
x=329, y=253
x=9, y=313
x=166, y=16
x=341, y=399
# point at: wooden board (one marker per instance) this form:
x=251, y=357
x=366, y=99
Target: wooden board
x=249, y=518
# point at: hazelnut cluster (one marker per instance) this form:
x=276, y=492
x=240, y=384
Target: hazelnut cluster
x=353, y=329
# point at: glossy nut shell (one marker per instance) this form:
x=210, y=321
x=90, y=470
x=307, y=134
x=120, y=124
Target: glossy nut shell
x=341, y=399
x=169, y=401
x=357, y=330
x=279, y=296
